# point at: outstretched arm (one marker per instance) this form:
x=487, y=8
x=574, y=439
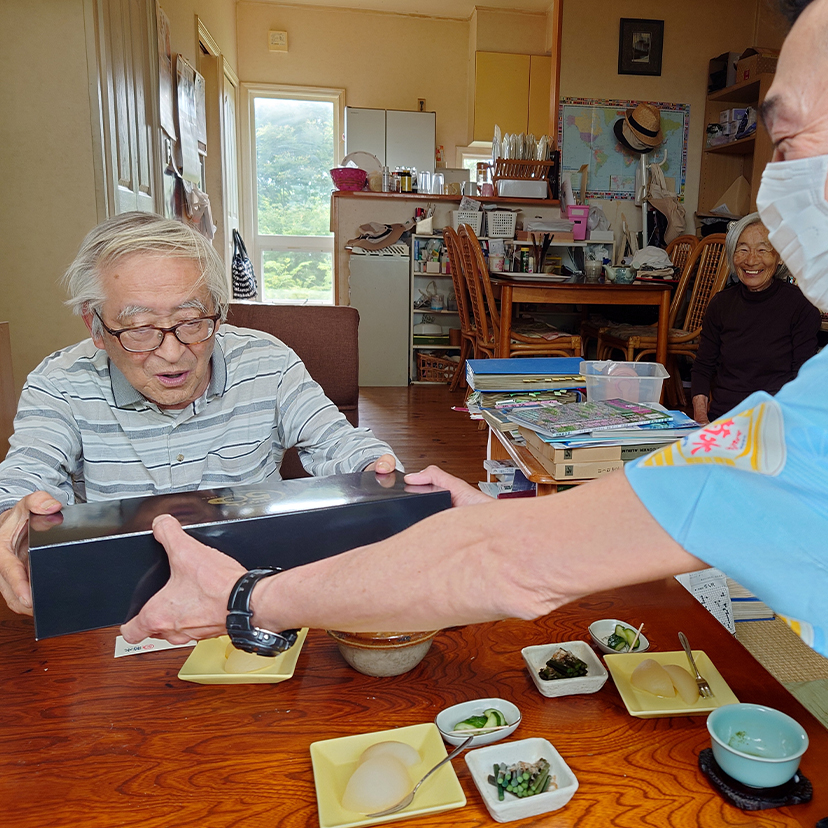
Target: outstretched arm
x=485, y=562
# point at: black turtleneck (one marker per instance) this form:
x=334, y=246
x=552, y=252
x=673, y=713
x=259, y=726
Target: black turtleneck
x=753, y=341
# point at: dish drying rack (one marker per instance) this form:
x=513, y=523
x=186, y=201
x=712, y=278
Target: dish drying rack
x=522, y=170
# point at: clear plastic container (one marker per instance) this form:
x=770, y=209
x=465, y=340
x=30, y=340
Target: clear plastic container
x=631, y=381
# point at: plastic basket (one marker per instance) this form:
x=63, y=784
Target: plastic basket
x=348, y=178
x=631, y=381
x=474, y=218
x=434, y=368
x=501, y=224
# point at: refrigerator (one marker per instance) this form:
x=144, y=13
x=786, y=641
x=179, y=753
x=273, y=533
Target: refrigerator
x=379, y=290
x=399, y=138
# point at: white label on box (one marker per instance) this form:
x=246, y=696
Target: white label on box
x=148, y=645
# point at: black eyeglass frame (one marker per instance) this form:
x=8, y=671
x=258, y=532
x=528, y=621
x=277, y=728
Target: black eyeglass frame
x=164, y=331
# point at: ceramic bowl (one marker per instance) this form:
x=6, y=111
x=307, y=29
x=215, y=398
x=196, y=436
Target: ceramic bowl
x=600, y=631
x=756, y=745
x=383, y=653
x=481, y=762
x=448, y=718
x=536, y=657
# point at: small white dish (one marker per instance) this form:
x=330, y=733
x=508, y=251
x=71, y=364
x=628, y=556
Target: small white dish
x=537, y=656
x=600, y=631
x=480, y=763
x=448, y=718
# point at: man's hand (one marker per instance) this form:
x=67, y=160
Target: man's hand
x=14, y=577
x=383, y=465
x=193, y=604
x=700, y=405
x=462, y=494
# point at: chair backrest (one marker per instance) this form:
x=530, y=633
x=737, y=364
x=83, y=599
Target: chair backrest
x=710, y=276
x=470, y=248
x=8, y=397
x=680, y=248
x=326, y=339
x=458, y=278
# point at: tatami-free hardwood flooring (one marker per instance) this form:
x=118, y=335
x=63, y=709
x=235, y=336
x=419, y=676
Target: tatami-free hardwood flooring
x=419, y=424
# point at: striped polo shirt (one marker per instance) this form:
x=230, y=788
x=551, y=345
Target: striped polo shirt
x=83, y=433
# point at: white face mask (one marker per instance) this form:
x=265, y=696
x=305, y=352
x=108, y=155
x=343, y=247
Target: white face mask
x=791, y=204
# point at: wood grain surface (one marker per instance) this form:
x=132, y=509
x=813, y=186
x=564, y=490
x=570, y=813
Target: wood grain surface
x=89, y=740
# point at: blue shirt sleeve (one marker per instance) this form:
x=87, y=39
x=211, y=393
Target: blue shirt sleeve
x=749, y=494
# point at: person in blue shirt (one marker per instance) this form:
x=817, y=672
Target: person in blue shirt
x=747, y=493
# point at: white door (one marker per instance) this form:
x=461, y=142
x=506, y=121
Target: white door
x=230, y=166
x=125, y=62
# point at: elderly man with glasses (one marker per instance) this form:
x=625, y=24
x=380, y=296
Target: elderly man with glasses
x=162, y=398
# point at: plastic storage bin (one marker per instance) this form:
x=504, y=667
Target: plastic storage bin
x=631, y=381
x=501, y=224
x=471, y=217
x=578, y=214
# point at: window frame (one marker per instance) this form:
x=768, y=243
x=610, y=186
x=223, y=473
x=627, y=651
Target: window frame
x=259, y=244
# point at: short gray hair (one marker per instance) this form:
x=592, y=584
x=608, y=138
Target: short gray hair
x=140, y=233
x=734, y=233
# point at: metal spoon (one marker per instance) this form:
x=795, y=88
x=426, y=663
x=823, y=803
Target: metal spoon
x=407, y=800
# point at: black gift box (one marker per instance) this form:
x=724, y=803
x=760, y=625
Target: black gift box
x=99, y=564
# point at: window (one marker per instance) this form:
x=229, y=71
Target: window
x=292, y=149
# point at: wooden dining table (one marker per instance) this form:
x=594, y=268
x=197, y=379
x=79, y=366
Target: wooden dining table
x=516, y=290
x=90, y=740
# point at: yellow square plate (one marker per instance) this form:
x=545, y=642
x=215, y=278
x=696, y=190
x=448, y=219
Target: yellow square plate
x=334, y=760
x=206, y=664
x=647, y=706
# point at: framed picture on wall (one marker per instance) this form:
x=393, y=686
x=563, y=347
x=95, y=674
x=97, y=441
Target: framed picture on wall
x=640, y=44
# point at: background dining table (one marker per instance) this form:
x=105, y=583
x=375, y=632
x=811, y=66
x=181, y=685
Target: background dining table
x=514, y=290
x=90, y=740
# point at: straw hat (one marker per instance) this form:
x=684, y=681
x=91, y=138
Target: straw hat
x=640, y=128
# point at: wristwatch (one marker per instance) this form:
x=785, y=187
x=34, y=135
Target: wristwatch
x=243, y=634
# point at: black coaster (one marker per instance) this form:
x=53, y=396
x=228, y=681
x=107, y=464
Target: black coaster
x=794, y=792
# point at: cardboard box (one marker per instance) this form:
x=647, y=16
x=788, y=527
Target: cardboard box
x=101, y=564
x=721, y=71
x=735, y=201
x=756, y=61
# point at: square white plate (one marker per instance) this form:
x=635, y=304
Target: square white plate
x=537, y=656
x=481, y=763
x=334, y=760
x=206, y=664
x=647, y=706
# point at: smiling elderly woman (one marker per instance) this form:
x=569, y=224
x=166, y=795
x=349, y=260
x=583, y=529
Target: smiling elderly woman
x=757, y=333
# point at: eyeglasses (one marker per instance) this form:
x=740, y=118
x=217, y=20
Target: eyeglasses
x=149, y=337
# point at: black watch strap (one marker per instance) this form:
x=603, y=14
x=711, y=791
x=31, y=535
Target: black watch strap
x=239, y=619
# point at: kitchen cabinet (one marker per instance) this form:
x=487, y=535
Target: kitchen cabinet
x=722, y=165
x=399, y=138
x=511, y=91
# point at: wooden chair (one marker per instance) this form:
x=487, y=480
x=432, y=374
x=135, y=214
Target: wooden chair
x=468, y=334
x=527, y=337
x=680, y=248
x=707, y=268
x=679, y=251
x=326, y=339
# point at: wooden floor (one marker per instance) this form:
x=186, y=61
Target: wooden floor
x=419, y=424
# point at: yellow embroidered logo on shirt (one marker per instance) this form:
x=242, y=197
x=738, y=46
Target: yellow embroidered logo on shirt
x=753, y=440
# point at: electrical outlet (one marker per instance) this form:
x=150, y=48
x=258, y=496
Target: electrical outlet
x=421, y=105
x=277, y=41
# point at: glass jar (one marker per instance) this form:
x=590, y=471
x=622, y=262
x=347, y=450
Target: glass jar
x=484, y=179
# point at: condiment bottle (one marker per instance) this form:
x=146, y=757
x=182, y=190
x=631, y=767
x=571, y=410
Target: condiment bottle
x=386, y=180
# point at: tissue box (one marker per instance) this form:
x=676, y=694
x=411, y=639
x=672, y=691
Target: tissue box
x=101, y=564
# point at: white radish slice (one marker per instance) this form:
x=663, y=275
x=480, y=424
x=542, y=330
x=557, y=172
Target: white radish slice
x=684, y=683
x=399, y=750
x=651, y=677
x=376, y=784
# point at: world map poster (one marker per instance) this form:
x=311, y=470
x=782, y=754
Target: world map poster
x=585, y=127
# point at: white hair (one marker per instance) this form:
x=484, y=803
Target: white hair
x=140, y=233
